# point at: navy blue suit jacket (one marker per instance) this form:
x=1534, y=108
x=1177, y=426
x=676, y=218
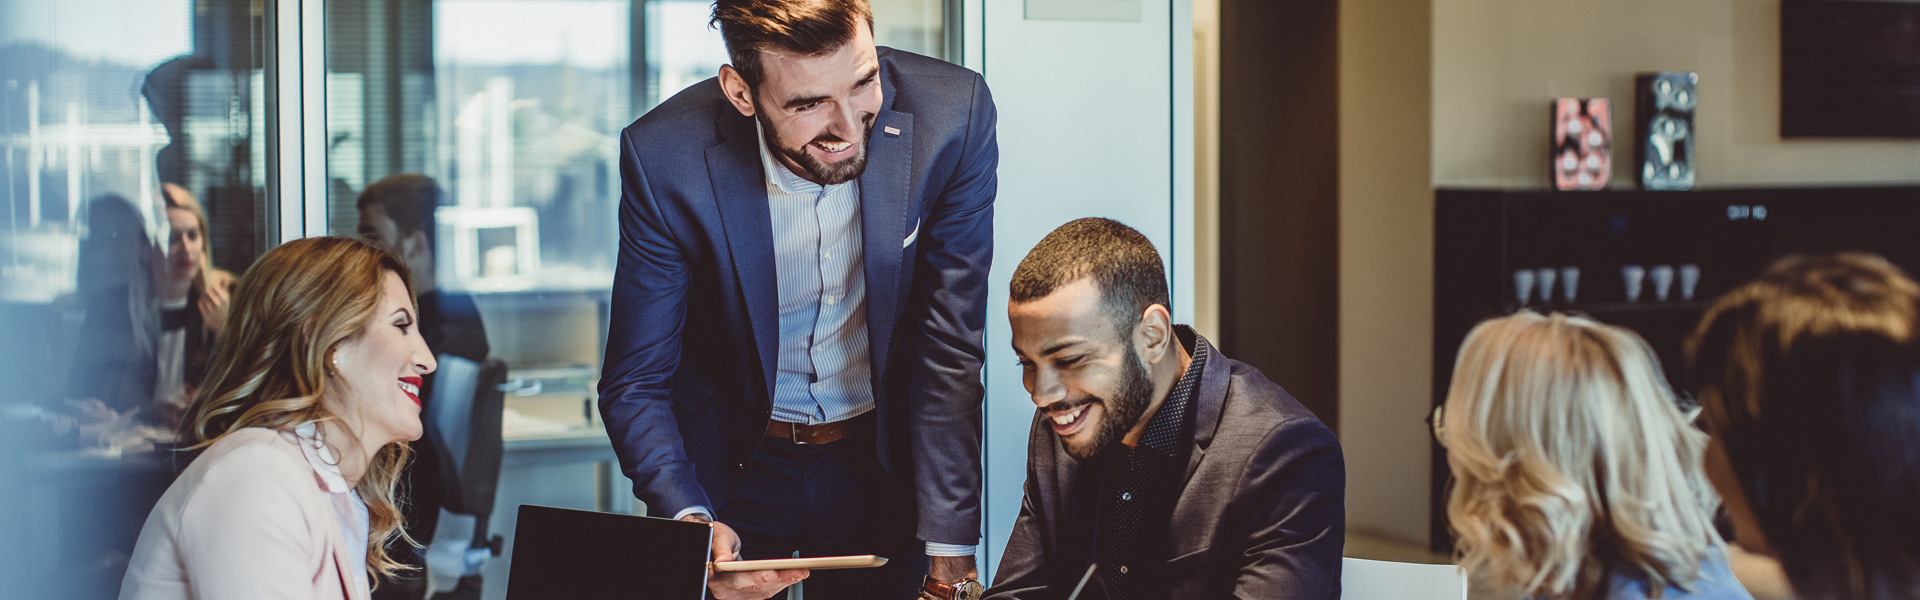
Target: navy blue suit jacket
x=687, y=385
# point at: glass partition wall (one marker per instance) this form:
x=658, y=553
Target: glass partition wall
x=115, y=115
x=112, y=111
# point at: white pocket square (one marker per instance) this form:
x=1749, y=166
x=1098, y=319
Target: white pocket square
x=912, y=236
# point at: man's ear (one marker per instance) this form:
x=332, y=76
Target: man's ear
x=1155, y=333
x=415, y=244
x=735, y=87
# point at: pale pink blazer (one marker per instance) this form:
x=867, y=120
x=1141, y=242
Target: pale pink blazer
x=249, y=519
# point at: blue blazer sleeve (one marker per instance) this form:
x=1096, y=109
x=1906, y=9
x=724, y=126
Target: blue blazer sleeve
x=945, y=329
x=643, y=348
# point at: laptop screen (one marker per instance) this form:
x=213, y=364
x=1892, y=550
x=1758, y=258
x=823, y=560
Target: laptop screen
x=586, y=555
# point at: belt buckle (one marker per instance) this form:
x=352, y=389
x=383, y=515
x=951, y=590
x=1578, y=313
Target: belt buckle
x=794, y=434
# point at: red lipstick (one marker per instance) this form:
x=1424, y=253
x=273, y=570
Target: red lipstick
x=412, y=388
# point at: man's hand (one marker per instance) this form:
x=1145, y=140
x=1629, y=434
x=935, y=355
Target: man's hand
x=949, y=569
x=744, y=585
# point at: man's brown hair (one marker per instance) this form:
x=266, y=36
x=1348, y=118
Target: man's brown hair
x=805, y=27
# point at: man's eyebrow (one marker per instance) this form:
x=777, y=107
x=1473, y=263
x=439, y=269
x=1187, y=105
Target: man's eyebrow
x=1056, y=348
x=799, y=102
x=872, y=74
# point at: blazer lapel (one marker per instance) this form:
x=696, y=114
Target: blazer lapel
x=740, y=189
x=885, y=225
x=1212, y=396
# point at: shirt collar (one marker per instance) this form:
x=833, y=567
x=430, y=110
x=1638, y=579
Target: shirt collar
x=778, y=175
x=320, y=456
x=1167, y=430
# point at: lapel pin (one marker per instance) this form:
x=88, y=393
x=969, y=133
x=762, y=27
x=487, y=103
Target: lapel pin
x=892, y=131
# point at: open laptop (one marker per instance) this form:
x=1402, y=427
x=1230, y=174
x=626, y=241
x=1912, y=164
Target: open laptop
x=586, y=555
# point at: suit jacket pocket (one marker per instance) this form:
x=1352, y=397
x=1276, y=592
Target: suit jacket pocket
x=1187, y=575
x=689, y=390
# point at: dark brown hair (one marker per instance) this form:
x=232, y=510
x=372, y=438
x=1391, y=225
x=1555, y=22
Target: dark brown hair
x=806, y=27
x=1809, y=377
x=409, y=199
x=290, y=313
x=1121, y=261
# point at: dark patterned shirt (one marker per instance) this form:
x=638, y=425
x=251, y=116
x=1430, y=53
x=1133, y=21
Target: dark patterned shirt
x=1138, y=484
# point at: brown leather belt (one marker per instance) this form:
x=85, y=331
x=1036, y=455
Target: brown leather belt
x=824, y=433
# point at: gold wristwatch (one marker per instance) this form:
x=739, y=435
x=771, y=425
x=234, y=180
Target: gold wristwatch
x=965, y=589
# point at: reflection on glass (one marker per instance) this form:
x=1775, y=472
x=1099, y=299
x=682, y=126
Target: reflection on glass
x=131, y=133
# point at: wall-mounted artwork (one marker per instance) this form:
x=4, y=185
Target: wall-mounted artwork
x=1582, y=143
x=1663, y=141
x=1849, y=69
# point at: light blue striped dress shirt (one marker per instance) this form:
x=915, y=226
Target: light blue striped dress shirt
x=824, y=374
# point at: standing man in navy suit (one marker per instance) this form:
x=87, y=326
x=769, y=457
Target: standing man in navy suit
x=796, y=337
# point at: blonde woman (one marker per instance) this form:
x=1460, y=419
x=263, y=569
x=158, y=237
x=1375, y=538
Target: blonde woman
x=307, y=408
x=193, y=298
x=1575, y=474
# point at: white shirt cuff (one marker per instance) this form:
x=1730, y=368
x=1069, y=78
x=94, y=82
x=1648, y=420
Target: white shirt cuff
x=939, y=549
x=693, y=510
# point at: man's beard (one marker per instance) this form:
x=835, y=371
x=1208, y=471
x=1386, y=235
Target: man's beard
x=1123, y=412
x=823, y=173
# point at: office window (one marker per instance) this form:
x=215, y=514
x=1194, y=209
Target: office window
x=513, y=109
x=108, y=108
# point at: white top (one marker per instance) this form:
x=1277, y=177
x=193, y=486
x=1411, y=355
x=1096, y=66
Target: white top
x=170, y=356
x=355, y=521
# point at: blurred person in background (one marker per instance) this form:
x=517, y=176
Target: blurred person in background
x=193, y=299
x=304, y=422
x=111, y=379
x=152, y=315
x=1809, y=382
x=397, y=213
x=1576, y=474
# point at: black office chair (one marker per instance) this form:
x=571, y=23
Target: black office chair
x=465, y=420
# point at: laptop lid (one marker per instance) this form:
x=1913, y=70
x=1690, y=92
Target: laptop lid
x=586, y=555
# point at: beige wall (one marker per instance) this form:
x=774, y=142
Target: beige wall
x=1496, y=63
x=1386, y=263
x=1206, y=168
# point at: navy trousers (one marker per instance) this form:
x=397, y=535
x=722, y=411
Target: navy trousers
x=829, y=500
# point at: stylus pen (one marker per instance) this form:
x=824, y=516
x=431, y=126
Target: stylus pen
x=1083, y=581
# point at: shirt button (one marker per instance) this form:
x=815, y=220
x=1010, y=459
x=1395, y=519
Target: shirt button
x=1126, y=495
x=819, y=348
x=826, y=255
x=829, y=300
x=1123, y=569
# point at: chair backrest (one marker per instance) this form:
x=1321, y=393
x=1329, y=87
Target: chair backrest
x=464, y=416
x=1362, y=579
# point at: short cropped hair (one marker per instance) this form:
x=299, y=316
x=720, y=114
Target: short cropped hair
x=1809, y=377
x=805, y=27
x=1121, y=261
x=409, y=199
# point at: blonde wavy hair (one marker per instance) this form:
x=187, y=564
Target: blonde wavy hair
x=292, y=310
x=1570, y=458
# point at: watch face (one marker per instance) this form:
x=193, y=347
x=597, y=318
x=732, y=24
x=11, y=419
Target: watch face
x=969, y=590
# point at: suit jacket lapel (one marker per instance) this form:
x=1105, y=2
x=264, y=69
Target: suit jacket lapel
x=885, y=224
x=1212, y=396
x=740, y=189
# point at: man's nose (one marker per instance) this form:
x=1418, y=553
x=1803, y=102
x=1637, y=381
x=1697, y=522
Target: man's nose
x=1047, y=390
x=846, y=123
